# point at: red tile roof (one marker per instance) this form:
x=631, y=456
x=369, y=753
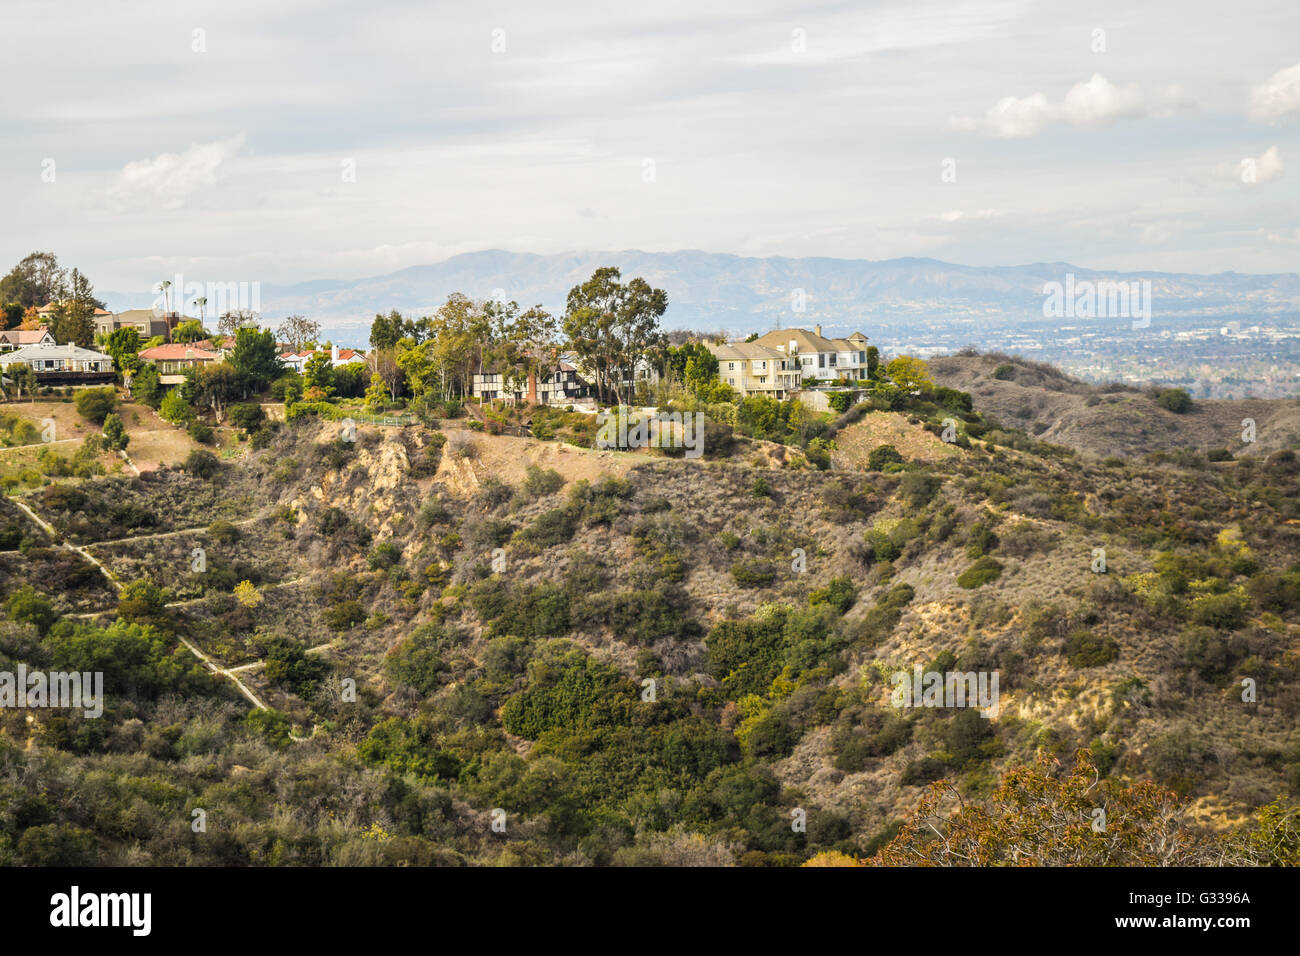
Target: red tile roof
x=178, y=350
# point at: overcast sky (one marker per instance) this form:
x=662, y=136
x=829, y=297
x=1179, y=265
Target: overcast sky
x=282, y=140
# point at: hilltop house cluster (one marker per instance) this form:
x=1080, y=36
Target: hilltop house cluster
x=56, y=363
x=779, y=364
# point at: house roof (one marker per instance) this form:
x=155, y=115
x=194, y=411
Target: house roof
x=30, y=353
x=811, y=341
x=139, y=315
x=745, y=352
x=24, y=336
x=176, y=351
x=51, y=306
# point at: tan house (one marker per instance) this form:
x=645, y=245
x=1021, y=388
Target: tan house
x=145, y=321
x=176, y=359
x=754, y=369
x=11, y=339
x=819, y=357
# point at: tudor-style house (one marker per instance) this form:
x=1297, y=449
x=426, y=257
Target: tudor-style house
x=557, y=382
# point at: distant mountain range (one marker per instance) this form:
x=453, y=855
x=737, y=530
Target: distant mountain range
x=713, y=291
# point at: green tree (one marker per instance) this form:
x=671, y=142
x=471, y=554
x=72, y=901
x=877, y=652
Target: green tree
x=191, y=330
x=36, y=281
x=319, y=372
x=255, y=356
x=146, y=385
x=115, y=432
x=124, y=345
x=175, y=408
x=94, y=404
x=28, y=606
x=909, y=373
x=613, y=327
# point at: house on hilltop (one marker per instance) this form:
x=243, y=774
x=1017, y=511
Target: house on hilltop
x=61, y=364
x=819, y=357
x=176, y=359
x=755, y=369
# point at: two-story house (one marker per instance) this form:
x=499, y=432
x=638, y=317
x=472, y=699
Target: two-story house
x=11, y=339
x=557, y=382
x=754, y=369
x=819, y=357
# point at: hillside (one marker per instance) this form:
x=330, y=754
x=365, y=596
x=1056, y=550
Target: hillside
x=1108, y=419
x=618, y=652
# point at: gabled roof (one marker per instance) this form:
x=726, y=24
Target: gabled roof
x=812, y=342
x=25, y=336
x=745, y=352
x=177, y=351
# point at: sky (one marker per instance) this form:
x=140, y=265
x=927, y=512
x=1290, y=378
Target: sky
x=279, y=141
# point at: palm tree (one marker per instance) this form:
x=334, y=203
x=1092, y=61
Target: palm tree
x=201, y=301
x=164, y=287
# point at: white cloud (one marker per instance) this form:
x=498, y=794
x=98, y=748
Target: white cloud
x=1254, y=170
x=1276, y=96
x=953, y=215
x=1097, y=102
x=169, y=179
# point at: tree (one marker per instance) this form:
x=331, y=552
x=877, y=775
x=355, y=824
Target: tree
x=909, y=373
x=246, y=594
x=319, y=372
x=23, y=377
x=94, y=404
x=299, y=331
x=383, y=362
x=13, y=315
x=386, y=330
x=231, y=322
x=1175, y=400
x=74, y=317
x=217, y=385
x=146, y=385
x=175, y=408
x=1038, y=816
x=375, y=394
x=28, y=606
x=36, y=281
x=255, y=356
x=115, y=432
x=191, y=330
x=141, y=602
x=124, y=346
x=614, y=327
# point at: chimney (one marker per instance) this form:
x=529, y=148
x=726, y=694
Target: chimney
x=334, y=354
x=189, y=353
x=818, y=330
x=532, y=387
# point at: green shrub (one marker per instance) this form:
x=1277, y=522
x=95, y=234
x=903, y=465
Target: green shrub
x=983, y=571
x=94, y=404
x=1085, y=649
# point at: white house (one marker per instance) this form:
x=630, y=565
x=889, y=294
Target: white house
x=11, y=339
x=819, y=357
x=61, y=364
x=298, y=360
